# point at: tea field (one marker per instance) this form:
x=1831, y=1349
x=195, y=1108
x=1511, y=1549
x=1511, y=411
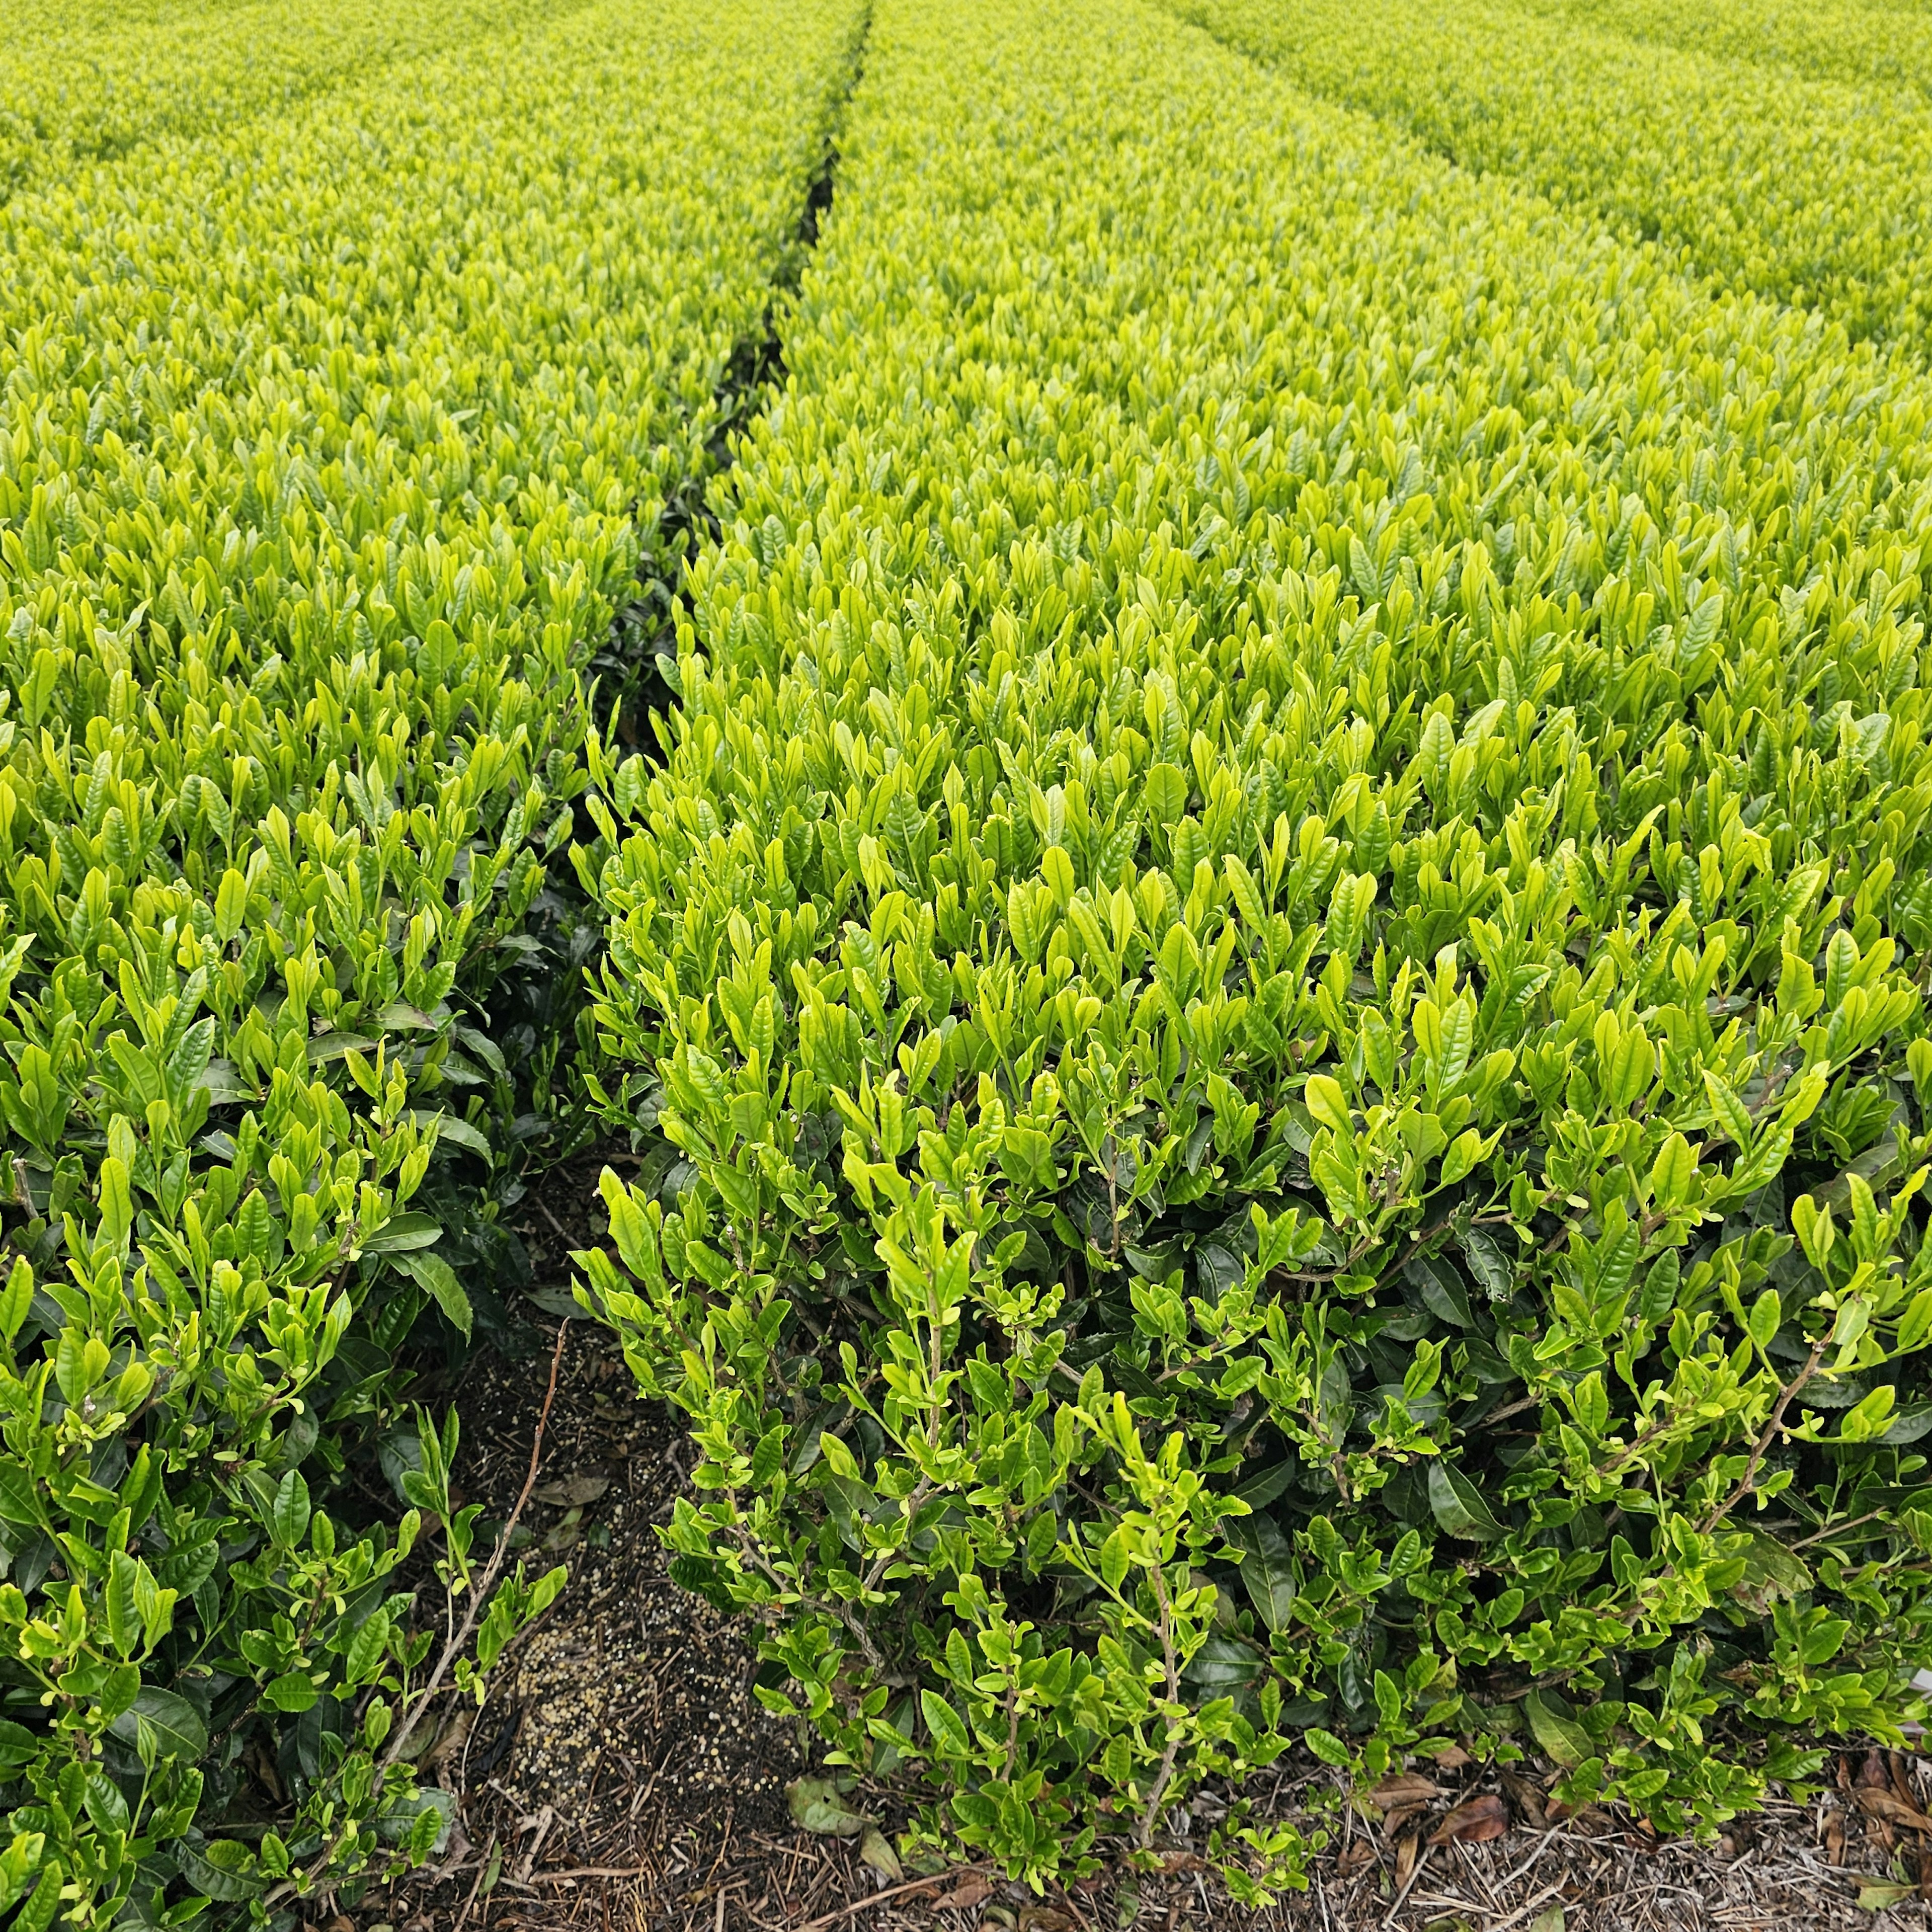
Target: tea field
x=1192, y=730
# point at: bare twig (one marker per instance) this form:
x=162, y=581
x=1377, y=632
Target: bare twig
x=482, y=1872
x=407, y=1721
x=574, y=1872
x=1839, y=1528
x=856, y=1906
x=1522, y=1911
x=479, y=1595
x=1151, y=1815
x=1786, y=1396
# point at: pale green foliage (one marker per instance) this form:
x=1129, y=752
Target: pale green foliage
x=1885, y=46
x=1267, y=984
x=1810, y=189
x=81, y=86
x=323, y=461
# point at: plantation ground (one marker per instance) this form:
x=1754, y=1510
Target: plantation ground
x=965, y=965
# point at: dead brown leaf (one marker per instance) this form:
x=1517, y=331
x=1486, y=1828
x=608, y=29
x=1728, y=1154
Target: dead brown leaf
x=1357, y=1855
x=1528, y=1797
x=451, y=1740
x=1591, y=1821
x=1407, y=1850
x=1834, y=1838
x=1451, y=1757
x=1404, y=1788
x=970, y=1891
x=1474, y=1822
x=1881, y=1802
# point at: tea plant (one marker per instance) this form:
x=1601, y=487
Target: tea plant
x=1847, y=42
x=79, y=91
x=1797, y=185
x=306, y=531
x=1267, y=989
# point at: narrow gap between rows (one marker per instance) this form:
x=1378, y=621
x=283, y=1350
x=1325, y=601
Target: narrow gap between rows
x=633, y=675
x=638, y=664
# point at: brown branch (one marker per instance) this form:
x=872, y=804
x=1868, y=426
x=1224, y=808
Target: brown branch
x=1786, y=1396
x=1514, y=1409
x=1643, y=1442
x=1159, y=1791
x=479, y=1595
x=825, y=1920
x=413, y=1709
x=482, y=1872
x=1838, y=1528
x=571, y=1873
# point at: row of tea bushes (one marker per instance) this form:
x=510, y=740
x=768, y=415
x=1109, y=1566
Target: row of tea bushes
x=81, y=87
x=1811, y=190
x=1266, y=983
x=322, y=467
x=1848, y=40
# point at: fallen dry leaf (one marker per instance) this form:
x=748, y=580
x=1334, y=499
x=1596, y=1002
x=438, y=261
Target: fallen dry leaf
x=1404, y=1788
x=1406, y=1852
x=875, y=1851
x=1451, y=1757
x=968, y=1893
x=1876, y=1894
x=1834, y=1839
x=1474, y=1822
x=1591, y=1820
x=818, y=1805
x=1356, y=1856
x=1881, y=1802
x=455, y=1734
x=1529, y=1797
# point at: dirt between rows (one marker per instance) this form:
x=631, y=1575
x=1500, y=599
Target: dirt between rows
x=621, y=1775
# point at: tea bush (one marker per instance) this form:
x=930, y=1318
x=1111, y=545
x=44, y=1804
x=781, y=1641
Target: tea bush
x=1805, y=188
x=83, y=87
x=323, y=470
x=1267, y=991
x=1840, y=38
